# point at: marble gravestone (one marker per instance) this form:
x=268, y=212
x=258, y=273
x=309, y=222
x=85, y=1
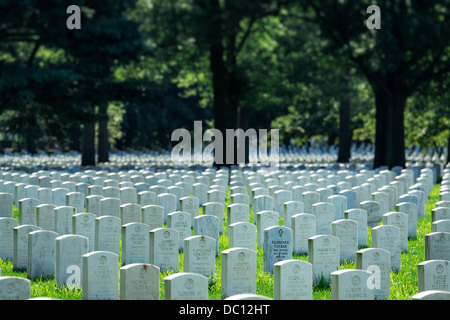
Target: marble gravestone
x=14, y=288
x=388, y=237
x=7, y=226
x=164, y=248
x=185, y=286
x=100, y=276
x=83, y=224
x=41, y=254
x=69, y=250
x=180, y=221
x=324, y=255
x=351, y=284
x=347, y=232
x=277, y=246
x=238, y=272
x=433, y=275
x=199, y=255
x=135, y=243
x=139, y=281
x=303, y=227
x=378, y=261
x=292, y=280
x=437, y=246
x=242, y=234
x=107, y=234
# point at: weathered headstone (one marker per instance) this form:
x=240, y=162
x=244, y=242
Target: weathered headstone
x=433, y=275
x=339, y=203
x=45, y=216
x=14, y=288
x=107, y=234
x=347, y=232
x=400, y=220
x=280, y=197
x=265, y=219
x=207, y=225
x=190, y=205
x=378, y=262
x=100, y=276
x=169, y=202
x=374, y=215
x=262, y=203
x=303, y=227
x=83, y=224
x=69, y=250
x=110, y=206
x=324, y=214
x=360, y=216
x=180, y=221
x=199, y=255
x=164, y=247
x=27, y=211
x=135, y=243
x=6, y=205
x=388, y=237
x=292, y=280
x=440, y=213
x=153, y=215
x=59, y=196
x=20, y=245
x=441, y=226
x=238, y=272
x=242, y=234
x=185, y=286
x=437, y=246
x=351, y=198
x=130, y=212
x=128, y=195
x=216, y=209
x=41, y=254
x=237, y=212
x=309, y=198
x=7, y=226
x=76, y=200
x=324, y=255
x=277, y=246
x=62, y=219
x=351, y=284
x=291, y=208
x=410, y=209
x=145, y=198
x=93, y=204
x=432, y=295
x=139, y=281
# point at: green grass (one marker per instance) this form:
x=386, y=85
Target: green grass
x=404, y=284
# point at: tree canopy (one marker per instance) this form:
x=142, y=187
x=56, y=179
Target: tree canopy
x=136, y=70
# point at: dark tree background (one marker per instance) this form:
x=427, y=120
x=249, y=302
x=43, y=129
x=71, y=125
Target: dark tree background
x=137, y=70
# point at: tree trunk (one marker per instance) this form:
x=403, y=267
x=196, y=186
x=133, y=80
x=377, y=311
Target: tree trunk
x=448, y=149
x=30, y=135
x=75, y=137
x=390, y=136
x=345, y=137
x=88, y=145
x=103, y=138
x=219, y=77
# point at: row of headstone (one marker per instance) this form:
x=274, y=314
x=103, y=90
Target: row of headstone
x=278, y=250
x=434, y=272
